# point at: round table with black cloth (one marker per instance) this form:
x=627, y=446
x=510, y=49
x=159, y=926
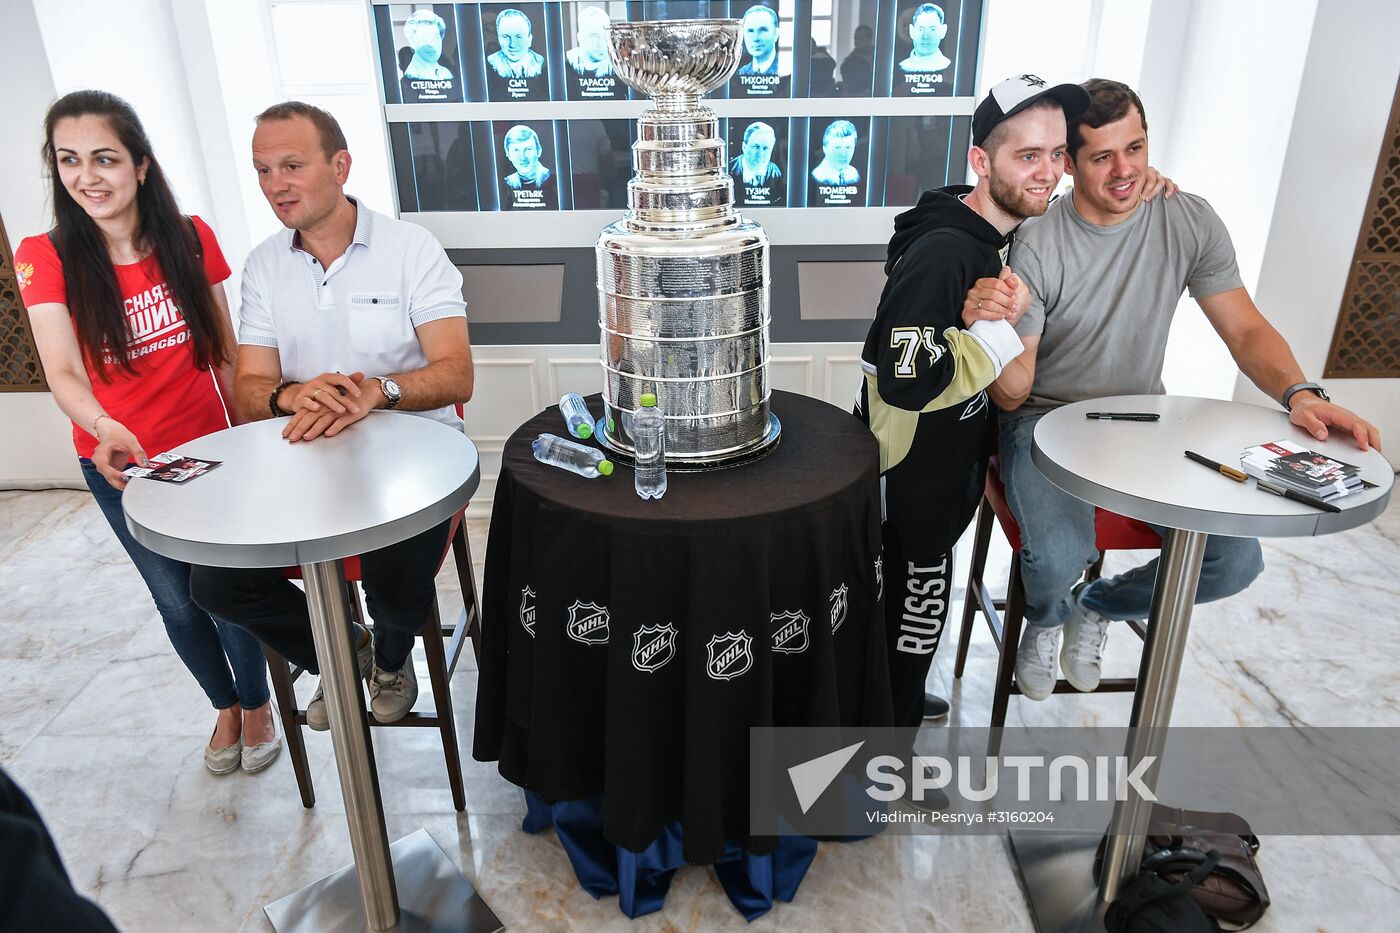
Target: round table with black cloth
x=767, y=573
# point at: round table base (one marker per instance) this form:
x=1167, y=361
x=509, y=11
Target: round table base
x=765, y=447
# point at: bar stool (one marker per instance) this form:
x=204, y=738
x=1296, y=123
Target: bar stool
x=1112, y=532
x=442, y=662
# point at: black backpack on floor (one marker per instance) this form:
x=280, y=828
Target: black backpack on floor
x=1152, y=904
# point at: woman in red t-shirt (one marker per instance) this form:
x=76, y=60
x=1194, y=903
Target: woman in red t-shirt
x=129, y=314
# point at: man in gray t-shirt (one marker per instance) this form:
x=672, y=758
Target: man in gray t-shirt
x=1106, y=271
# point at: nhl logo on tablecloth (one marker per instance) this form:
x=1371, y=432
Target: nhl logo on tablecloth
x=527, y=611
x=731, y=654
x=790, y=632
x=653, y=646
x=837, y=599
x=588, y=623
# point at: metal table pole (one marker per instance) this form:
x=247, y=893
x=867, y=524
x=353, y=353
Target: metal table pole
x=1057, y=870
x=1173, y=597
x=354, y=757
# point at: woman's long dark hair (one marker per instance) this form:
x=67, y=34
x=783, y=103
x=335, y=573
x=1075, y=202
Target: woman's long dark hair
x=94, y=300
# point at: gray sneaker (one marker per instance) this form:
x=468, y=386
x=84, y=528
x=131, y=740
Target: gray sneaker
x=316, y=718
x=1086, y=633
x=393, y=693
x=1035, y=660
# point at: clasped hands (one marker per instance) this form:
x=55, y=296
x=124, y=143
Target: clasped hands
x=329, y=403
x=1004, y=298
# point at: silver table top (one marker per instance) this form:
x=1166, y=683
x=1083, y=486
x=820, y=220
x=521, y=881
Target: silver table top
x=1139, y=469
x=274, y=504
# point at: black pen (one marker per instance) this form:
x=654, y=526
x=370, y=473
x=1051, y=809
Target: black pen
x=1122, y=415
x=1298, y=497
x=1234, y=474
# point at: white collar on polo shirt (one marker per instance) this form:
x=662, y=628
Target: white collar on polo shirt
x=362, y=228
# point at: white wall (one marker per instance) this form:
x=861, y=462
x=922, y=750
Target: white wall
x=1348, y=85
x=1224, y=137
x=40, y=451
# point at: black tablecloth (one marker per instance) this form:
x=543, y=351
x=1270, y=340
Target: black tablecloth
x=628, y=645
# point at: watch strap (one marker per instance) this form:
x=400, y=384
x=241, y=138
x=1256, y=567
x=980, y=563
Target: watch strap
x=1297, y=387
x=391, y=400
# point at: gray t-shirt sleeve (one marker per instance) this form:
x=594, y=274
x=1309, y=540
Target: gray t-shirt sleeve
x=1026, y=264
x=1216, y=270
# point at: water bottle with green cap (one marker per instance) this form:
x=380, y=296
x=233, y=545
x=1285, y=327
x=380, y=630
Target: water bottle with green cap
x=565, y=454
x=576, y=415
x=649, y=442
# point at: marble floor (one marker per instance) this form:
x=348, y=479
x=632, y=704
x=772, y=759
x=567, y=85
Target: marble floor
x=102, y=725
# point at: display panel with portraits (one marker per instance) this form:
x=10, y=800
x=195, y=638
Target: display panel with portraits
x=423, y=66
x=533, y=50
x=766, y=31
x=839, y=152
x=487, y=57
x=588, y=71
x=526, y=173
x=516, y=69
x=923, y=67
x=758, y=161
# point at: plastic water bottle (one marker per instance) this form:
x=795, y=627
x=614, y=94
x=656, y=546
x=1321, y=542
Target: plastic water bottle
x=585, y=461
x=649, y=440
x=576, y=415
x=601, y=423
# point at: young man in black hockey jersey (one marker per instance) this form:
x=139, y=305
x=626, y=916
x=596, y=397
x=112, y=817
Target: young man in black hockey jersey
x=933, y=348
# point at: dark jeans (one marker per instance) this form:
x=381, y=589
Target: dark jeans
x=399, y=590
x=1057, y=545
x=227, y=661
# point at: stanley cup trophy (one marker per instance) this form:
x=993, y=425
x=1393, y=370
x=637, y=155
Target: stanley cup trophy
x=682, y=279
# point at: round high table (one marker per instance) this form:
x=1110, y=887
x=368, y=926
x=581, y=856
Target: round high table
x=272, y=503
x=1139, y=469
x=629, y=645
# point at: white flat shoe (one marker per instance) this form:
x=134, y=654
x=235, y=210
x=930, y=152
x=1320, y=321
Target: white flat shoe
x=257, y=757
x=223, y=760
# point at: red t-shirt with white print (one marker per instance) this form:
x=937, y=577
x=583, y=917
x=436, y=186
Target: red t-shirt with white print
x=168, y=401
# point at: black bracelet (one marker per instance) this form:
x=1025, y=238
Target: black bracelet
x=277, y=410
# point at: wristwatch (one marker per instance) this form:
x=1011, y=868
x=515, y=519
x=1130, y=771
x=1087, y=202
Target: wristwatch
x=392, y=393
x=1293, y=390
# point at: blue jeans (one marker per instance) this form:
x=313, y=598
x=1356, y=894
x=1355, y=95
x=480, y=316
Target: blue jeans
x=1057, y=545
x=227, y=662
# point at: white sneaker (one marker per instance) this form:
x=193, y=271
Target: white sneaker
x=1035, y=660
x=1086, y=633
x=393, y=693
x=316, y=716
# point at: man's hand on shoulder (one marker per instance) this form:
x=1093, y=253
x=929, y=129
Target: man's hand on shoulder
x=1154, y=183
x=1004, y=298
x=1314, y=415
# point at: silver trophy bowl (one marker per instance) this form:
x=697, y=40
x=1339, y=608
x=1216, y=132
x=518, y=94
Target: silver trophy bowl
x=678, y=60
x=682, y=279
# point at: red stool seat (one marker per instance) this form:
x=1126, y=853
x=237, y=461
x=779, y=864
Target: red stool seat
x=1004, y=617
x=1112, y=532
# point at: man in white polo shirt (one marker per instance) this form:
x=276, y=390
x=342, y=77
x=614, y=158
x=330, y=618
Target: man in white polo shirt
x=344, y=312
